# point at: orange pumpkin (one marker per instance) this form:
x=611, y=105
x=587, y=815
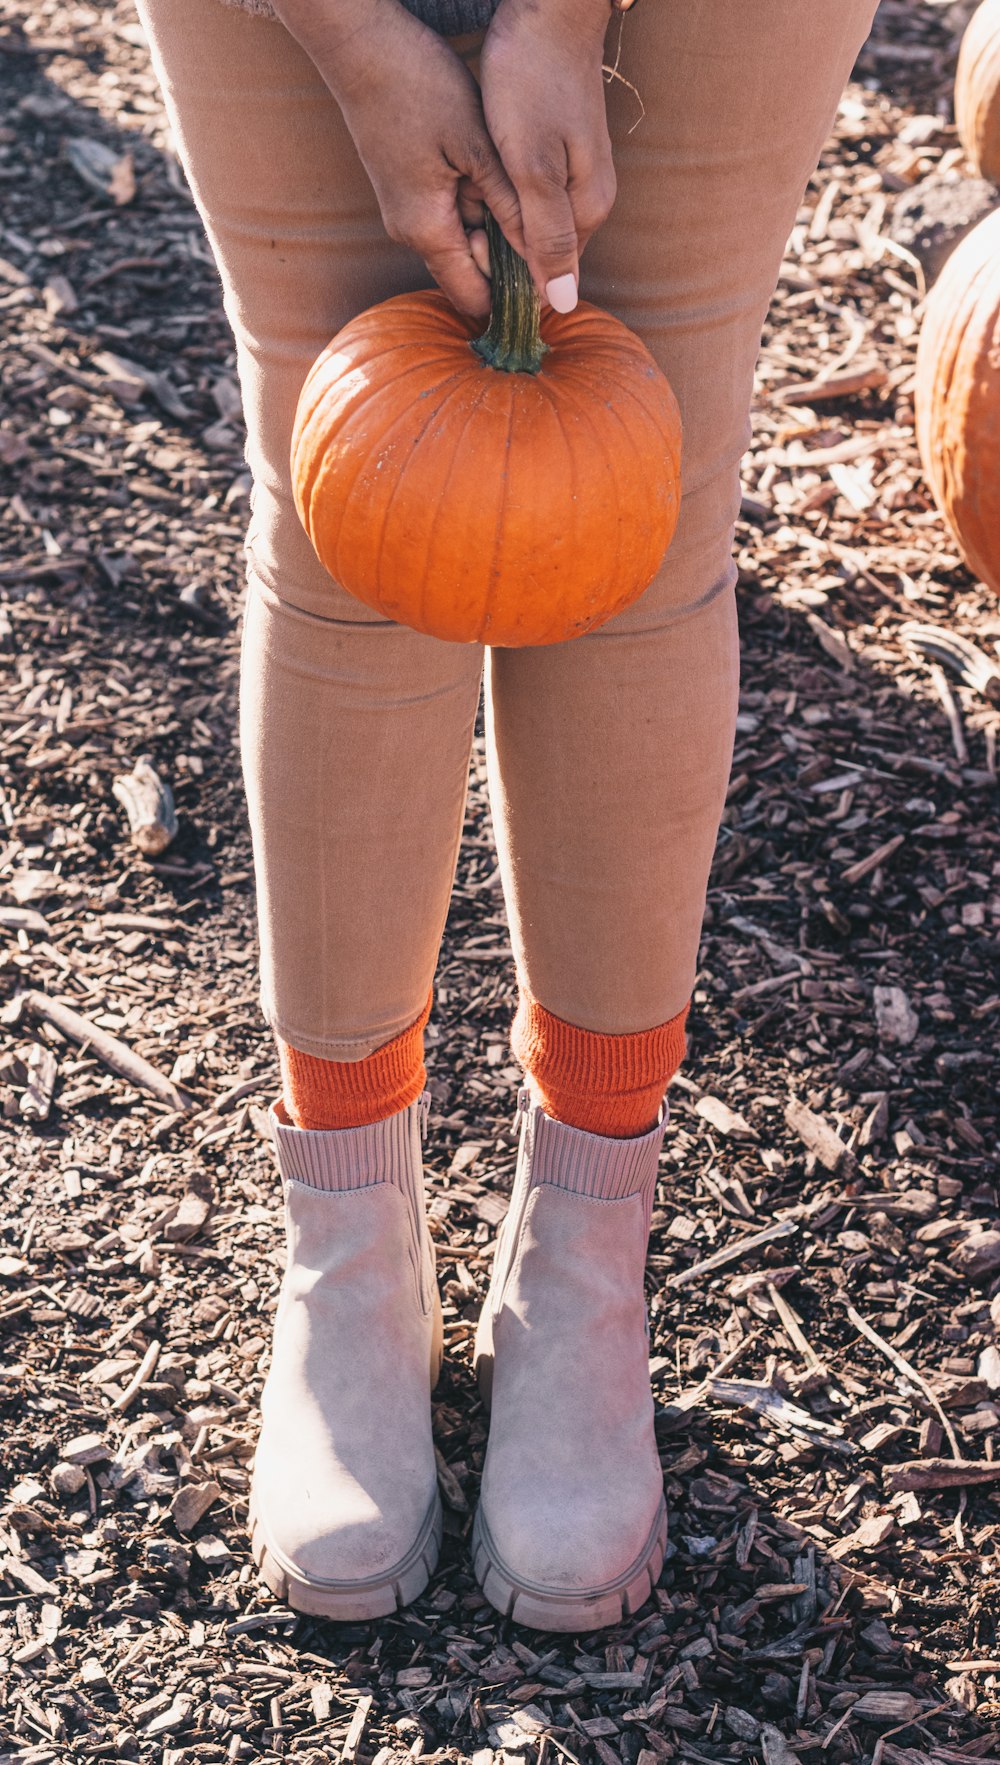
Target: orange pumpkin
x=977, y=90
x=517, y=488
x=958, y=397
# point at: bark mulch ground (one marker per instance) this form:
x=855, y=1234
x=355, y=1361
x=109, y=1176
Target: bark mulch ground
x=824, y=1273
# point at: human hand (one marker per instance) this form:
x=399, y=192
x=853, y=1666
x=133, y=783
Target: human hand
x=543, y=100
x=415, y=113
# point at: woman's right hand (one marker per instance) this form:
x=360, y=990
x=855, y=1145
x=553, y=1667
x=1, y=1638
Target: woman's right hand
x=415, y=114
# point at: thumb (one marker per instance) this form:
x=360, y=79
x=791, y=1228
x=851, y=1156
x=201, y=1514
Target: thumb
x=551, y=243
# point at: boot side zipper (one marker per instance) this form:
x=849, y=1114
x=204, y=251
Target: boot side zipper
x=510, y=1229
x=422, y=1249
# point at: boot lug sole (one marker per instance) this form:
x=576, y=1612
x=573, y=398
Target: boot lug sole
x=552, y=1609
x=349, y=1601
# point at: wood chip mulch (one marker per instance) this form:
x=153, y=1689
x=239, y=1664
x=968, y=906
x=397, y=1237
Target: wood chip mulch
x=824, y=1273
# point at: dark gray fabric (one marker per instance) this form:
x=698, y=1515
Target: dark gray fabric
x=451, y=18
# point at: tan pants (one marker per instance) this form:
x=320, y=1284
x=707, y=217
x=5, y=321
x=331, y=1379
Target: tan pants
x=608, y=756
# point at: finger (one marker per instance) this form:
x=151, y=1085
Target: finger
x=488, y=181
x=479, y=245
x=448, y=253
x=592, y=194
x=432, y=228
x=470, y=205
x=552, y=246
x=472, y=210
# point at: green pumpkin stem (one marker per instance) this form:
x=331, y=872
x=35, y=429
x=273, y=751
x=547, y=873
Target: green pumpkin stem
x=512, y=341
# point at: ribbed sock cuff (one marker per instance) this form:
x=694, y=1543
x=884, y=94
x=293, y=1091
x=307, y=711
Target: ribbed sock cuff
x=604, y=1084
x=323, y=1094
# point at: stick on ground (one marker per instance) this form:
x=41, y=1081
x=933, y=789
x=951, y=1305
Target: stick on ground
x=115, y=1054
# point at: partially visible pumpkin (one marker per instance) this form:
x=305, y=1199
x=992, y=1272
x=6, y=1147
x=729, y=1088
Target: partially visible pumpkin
x=977, y=90
x=958, y=397
x=519, y=488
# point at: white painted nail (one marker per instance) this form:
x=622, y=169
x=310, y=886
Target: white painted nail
x=561, y=293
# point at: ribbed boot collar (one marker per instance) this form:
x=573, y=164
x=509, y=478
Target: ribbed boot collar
x=388, y=1151
x=344, y=1160
x=596, y=1165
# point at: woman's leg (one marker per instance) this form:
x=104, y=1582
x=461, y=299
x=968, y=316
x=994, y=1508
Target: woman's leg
x=355, y=731
x=355, y=736
x=608, y=761
x=609, y=755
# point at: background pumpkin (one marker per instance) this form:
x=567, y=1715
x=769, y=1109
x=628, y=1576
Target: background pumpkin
x=977, y=90
x=519, y=488
x=958, y=397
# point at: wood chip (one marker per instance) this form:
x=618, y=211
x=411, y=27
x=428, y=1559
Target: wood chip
x=191, y=1504
x=816, y=1135
x=113, y=1052
x=940, y=1474
x=844, y=385
x=149, y=804
x=722, y=1118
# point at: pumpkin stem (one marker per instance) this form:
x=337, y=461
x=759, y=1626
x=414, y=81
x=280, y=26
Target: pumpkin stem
x=512, y=341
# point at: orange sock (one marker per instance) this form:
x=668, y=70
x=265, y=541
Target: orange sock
x=324, y=1094
x=605, y=1084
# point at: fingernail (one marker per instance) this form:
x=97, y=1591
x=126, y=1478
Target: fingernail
x=561, y=293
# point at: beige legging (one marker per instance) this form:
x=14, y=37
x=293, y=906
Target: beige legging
x=608, y=756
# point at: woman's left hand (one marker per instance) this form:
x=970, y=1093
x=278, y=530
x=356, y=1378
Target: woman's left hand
x=543, y=99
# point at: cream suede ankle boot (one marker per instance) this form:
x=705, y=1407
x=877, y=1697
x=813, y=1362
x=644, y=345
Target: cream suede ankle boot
x=345, y=1518
x=572, y=1523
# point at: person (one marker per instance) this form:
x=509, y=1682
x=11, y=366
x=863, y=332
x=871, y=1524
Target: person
x=651, y=161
